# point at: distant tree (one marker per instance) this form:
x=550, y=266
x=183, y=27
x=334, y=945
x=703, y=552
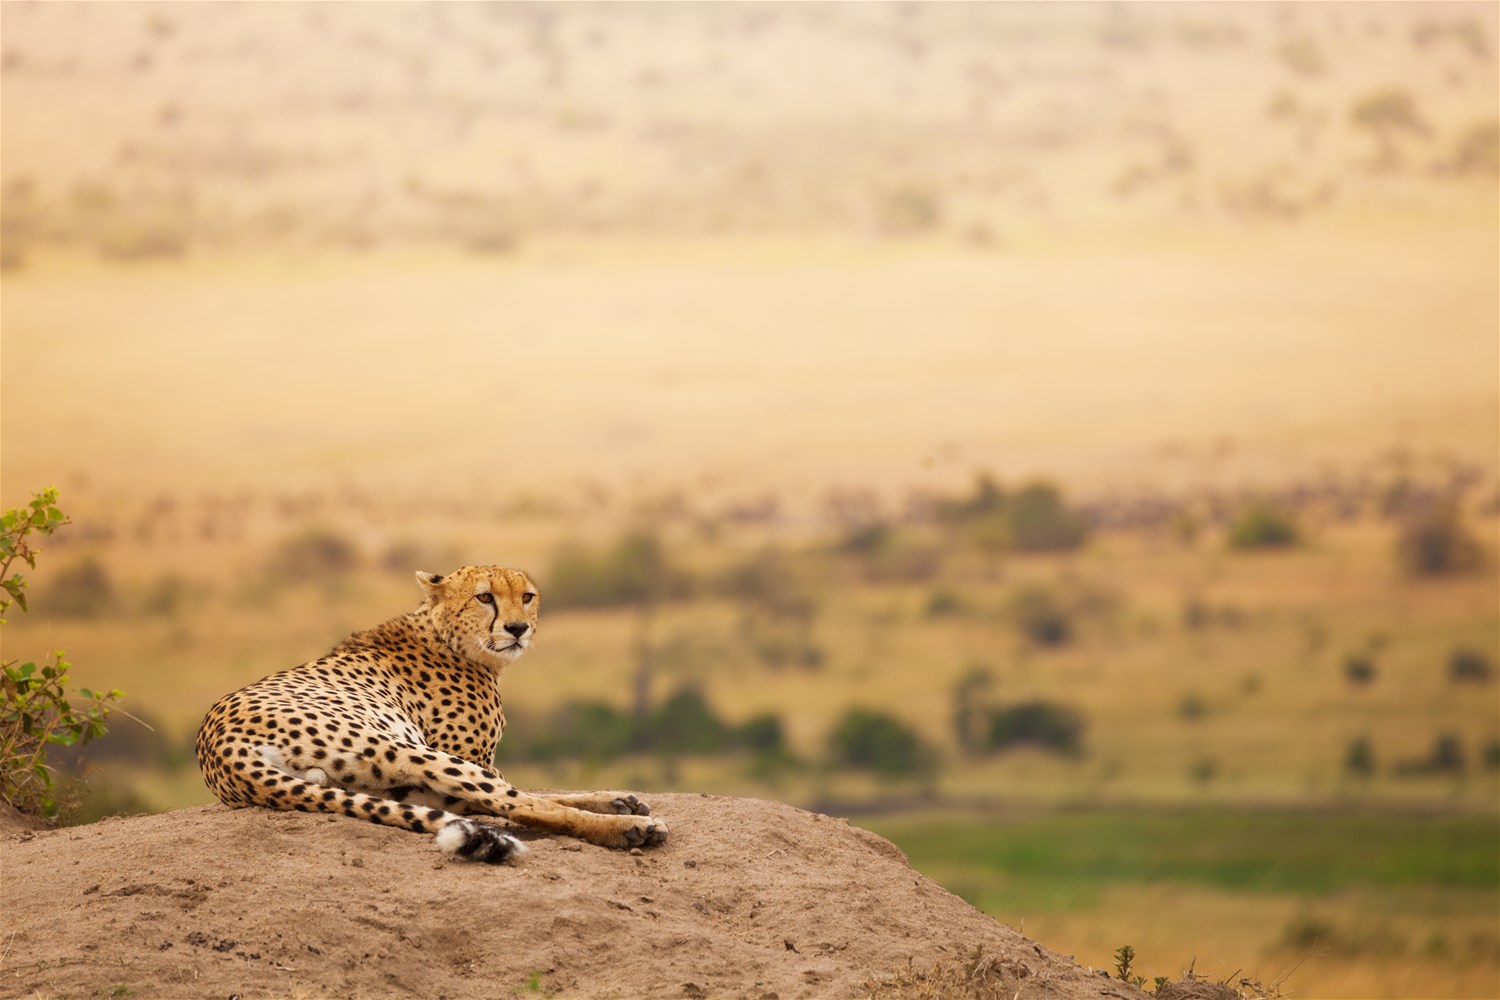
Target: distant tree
x=1040, y=724
x=686, y=724
x=1359, y=668
x=1263, y=525
x=876, y=741
x=1466, y=664
x=970, y=700
x=83, y=590
x=1041, y=616
x=1359, y=759
x=1040, y=521
x=1436, y=543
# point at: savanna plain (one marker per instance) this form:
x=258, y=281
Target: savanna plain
x=1110, y=525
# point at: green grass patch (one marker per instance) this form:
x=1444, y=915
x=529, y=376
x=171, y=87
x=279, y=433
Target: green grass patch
x=1237, y=849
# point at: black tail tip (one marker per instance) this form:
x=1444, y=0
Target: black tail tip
x=474, y=841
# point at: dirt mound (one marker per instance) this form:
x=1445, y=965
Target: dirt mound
x=750, y=899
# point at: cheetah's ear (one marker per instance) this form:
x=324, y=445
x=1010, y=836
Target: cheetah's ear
x=429, y=582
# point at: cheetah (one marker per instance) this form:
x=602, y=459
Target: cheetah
x=398, y=725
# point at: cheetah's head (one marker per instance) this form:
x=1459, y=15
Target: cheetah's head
x=484, y=613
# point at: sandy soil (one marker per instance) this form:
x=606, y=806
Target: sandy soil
x=750, y=899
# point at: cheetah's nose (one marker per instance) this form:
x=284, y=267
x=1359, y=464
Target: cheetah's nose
x=517, y=629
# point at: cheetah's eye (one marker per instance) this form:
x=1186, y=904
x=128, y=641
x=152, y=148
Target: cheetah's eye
x=527, y=597
x=485, y=598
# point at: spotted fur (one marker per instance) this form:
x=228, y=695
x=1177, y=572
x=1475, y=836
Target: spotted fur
x=398, y=725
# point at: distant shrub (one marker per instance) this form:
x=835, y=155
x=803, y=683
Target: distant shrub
x=1388, y=111
x=986, y=498
x=1470, y=665
x=590, y=730
x=878, y=742
x=793, y=648
x=1359, y=758
x=1447, y=756
x=406, y=556
x=767, y=584
x=686, y=724
x=763, y=734
x=83, y=590
x=1041, y=616
x=970, y=700
x=1261, y=525
x=909, y=210
x=1490, y=755
x=1306, y=933
x=1436, y=543
x=1034, y=518
x=1040, y=521
x=867, y=539
x=777, y=612
x=942, y=603
x=1040, y=724
x=1477, y=150
x=903, y=562
x=1204, y=770
x=634, y=570
x=1199, y=614
x=1191, y=707
x=1359, y=669
x=166, y=596
x=315, y=554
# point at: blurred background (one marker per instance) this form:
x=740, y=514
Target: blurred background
x=1062, y=437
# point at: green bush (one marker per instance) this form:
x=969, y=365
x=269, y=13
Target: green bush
x=1359, y=759
x=1359, y=669
x=970, y=700
x=1447, y=756
x=633, y=571
x=1039, y=521
x=867, y=539
x=36, y=712
x=1262, y=525
x=686, y=724
x=1191, y=707
x=876, y=741
x=1041, y=616
x=1436, y=543
x=1039, y=724
x=763, y=734
x=1034, y=518
x=683, y=724
x=581, y=729
x=1470, y=665
x=1490, y=755
x=943, y=603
